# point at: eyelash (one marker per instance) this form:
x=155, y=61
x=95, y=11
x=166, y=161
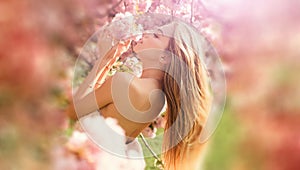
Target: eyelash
x=155, y=35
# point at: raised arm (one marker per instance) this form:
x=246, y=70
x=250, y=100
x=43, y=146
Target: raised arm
x=85, y=96
x=100, y=69
x=94, y=100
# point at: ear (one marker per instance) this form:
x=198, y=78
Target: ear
x=165, y=59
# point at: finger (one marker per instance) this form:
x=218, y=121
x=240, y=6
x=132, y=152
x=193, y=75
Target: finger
x=126, y=42
x=123, y=46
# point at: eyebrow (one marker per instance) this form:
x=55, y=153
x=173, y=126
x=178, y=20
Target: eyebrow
x=160, y=31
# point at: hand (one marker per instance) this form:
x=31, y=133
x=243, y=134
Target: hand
x=115, y=53
x=122, y=47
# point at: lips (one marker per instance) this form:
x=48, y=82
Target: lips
x=134, y=43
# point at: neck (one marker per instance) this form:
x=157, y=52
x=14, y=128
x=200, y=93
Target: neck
x=153, y=73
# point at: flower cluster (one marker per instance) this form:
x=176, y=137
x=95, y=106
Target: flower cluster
x=124, y=26
x=131, y=64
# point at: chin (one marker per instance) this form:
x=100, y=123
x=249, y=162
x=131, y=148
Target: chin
x=136, y=48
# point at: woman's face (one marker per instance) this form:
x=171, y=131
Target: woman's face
x=153, y=46
x=152, y=41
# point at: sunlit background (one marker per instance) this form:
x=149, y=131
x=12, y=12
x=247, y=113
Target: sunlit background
x=258, y=42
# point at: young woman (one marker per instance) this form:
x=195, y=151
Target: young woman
x=173, y=72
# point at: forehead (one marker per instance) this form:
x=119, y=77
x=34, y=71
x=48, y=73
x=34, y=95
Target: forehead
x=166, y=30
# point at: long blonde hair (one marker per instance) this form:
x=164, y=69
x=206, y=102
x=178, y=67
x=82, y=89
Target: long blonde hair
x=187, y=90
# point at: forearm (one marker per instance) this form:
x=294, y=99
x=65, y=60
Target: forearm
x=78, y=109
x=95, y=75
x=85, y=100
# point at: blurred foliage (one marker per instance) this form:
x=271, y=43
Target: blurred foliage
x=224, y=143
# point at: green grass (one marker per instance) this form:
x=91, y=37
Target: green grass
x=225, y=141
x=155, y=145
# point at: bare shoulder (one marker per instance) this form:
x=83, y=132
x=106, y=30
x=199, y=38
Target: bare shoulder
x=148, y=94
x=144, y=94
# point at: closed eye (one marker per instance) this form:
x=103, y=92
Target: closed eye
x=157, y=33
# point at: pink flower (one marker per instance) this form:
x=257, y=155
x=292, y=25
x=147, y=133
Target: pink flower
x=134, y=65
x=62, y=158
x=149, y=132
x=172, y=4
x=123, y=26
x=160, y=122
x=77, y=142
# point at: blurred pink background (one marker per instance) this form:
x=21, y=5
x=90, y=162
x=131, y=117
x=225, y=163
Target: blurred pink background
x=258, y=42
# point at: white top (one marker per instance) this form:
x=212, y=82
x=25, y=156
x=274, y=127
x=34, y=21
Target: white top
x=110, y=137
